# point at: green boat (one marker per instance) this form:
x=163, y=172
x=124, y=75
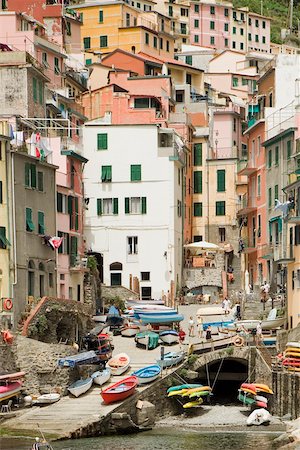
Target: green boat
x=148, y=339
x=200, y=394
x=183, y=386
x=246, y=400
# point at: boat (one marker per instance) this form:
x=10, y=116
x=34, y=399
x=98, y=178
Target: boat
x=46, y=399
x=194, y=390
x=9, y=390
x=171, y=359
x=200, y=394
x=147, y=338
x=183, y=386
x=130, y=330
x=260, y=387
x=12, y=376
x=147, y=374
x=261, y=398
x=101, y=376
x=169, y=337
x=291, y=362
x=80, y=387
x=250, y=386
x=245, y=399
x=270, y=323
x=293, y=345
x=258, y=417
x=119, y=364
x=120, y=390
x=193, y=404
x=161, y=318
x=210, y=311
x=89, y=357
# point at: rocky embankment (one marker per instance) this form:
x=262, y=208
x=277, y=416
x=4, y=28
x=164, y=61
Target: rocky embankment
x=291, y=438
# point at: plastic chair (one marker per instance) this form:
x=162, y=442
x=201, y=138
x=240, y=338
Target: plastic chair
x=7, y=408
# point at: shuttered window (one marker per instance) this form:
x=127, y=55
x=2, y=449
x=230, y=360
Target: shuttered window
x=135, y=172
x=27, y=174
x=29, y=224
x=76, y=214
x=73, y=254
x=115, y=206
x=4, y=242
x=87, y=43
x=135, y=205
x=276, y=155
x=102, y=141
x=41, y=222
x=35, y=90
x=270, y=158
x=41, y=92
x=197, y=154
x=100, y=16
x=198, y=182
x=40, y=181
x=106, y=174
x=289, y=149
x=197, y=209
x=276, y=192
x=221, y=180
x=99, y=206
x=270, y=197
x=144, y=205
x=220, y=208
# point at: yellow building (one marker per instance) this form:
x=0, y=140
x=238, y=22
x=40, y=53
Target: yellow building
x=5, y=278
x=108, y=26
x=178, y=11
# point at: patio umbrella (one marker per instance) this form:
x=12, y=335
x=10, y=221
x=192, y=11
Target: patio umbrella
x=203, y=245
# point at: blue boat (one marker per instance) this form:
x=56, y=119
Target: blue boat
x=90, y=357
x=148, y=374
x=161, y=318
x=217, y=324
x=169, y=337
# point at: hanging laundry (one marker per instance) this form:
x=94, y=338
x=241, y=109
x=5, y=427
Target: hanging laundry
x=283, y=207
x=18, y=138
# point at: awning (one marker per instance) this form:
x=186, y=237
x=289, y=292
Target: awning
x=268, y=256
x=277, y=219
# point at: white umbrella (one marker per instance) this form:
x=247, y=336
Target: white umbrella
x=203, y=245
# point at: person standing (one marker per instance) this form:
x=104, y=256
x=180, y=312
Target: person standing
x=200, y=327
x=226, y=306
x=191, y=327
x=181, y=335
x=259, y=335
x=238, y=310
x=265, y=288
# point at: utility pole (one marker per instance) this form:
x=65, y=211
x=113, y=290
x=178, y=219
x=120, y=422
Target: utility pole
x=291, y=15
x=261, y=7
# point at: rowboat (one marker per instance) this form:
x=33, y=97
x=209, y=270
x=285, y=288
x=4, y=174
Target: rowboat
x=171, y=359
x=161, y=318
x=101, y=376
x=260, y=387
x=147, y=338
x=80, y=387
x=169, y=337
x=130, y=330
x=12, y=376
x=200, y=394
x=120, y=390
x=46, y=399
x=293, y=344
x=147, y=374
x=210, y=311
x=119, y=364
x=9, y=390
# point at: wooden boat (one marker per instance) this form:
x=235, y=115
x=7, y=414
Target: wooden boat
x=12, y=376
x=130, y=330
x=80, y=387
x=171, y=359
x=101, y=376
x=9, y=390
x=147, y=338
x=183, y=386
x=46, y=399
x=169, y=337
x=119, y=364
x=147, y=374
x=120, y=390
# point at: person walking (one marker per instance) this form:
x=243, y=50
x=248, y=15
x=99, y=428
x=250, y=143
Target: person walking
x=265, y=288
x=238, y=310
x=191, y=327
x=200, y=327
x=181, y=334
x=226, y=306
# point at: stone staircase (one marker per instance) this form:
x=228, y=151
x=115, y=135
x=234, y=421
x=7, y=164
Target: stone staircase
x=234, y=287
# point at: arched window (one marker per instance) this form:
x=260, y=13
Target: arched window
x=116, y=266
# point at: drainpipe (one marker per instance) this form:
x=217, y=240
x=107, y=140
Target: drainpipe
x=13, y=213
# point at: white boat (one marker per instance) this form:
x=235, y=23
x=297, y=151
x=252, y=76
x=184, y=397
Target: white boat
x=210, y=311
x=80, y=387
x=258, y=417
x=171, y=359
x=293, y=344
x=130, y=330
x=119, y=364
x=46, y=399
x=261, y=398
x=169, y=337
x=265, y=324
x=101, y=376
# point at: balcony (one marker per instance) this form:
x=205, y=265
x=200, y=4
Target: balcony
x=246, y=205
x=171, y=145
x=246, y=167
x=283, y=254
x=5, y=129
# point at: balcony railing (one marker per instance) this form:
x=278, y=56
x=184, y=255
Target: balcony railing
x=246, y=205
x=246, y=167
x=283, y=253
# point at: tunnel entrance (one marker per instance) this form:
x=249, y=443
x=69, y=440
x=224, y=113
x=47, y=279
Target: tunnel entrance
x=226, y=376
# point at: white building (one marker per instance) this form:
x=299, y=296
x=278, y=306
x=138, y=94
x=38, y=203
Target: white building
x=134, y=182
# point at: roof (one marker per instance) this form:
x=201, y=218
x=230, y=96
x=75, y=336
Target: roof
x=164, y=60
x=74, y=155
x=226, y=51
x=278, y=137
x=198, y=119
x=139, y=56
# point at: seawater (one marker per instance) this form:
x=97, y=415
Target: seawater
x=161, y=439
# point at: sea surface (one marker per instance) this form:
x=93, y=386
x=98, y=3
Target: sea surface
x=162, y=439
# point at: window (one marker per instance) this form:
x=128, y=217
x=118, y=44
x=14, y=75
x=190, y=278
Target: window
x=263, y=39
x=132, y=245
x=270, y=197
x=198, y=209
x=86, y=43
x=226, y=26
x=288, y=149
x=258, y=186
x=171, y=11
x=35, y=91
x=198, y=182
x=234, y=30
x=41, y=92
x=233, y=44
x=276, y=155
x=212, y=40
x=62, y=203
x=103, y=41
x=29, y=224
x=243, y=17
x=212, y=10
x=88, y=61
x=3, y=240
x=196, y=8
x=56, y=66
x=183, y=29
x=196, y=23
x=179, y=176
x=222, y=234
x=198, y=238
x=168, y=46
x=197, y=154
x=189, y=60
x=226, y=12
x=276, y=192
x=234, y=124
x=184, y=12
x=235, y=82
x=226, y=42
x=241, y=46
x=234, y=15
x=74, y=249
x=155, y=42
x=45, y=59
x=256, y=38
x=64, y=246
x=107, y=206
x=188, y=78
x=220, y=208
x=30, y=175
x=179, y=208
x=212, y=25
x=102, y=141
x=259, y=226
x=106, y=174
x=145, y=276
x=100, y=16
x=221, y=180
x=249, y=37
x=138, y=5
x=242, y=31
x=135, y=205
x=135, y=172
x=196, y=38
x=256, y=23
x=41, y=222
x=68, y=28
x=161, y=43
x=264, y=24
x=127, y=20
x=115, y=279
x=146, y=293
x=270, y=158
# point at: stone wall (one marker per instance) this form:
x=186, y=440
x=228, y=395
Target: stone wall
x=286, y=387
x=118, y=291
x=7, y=358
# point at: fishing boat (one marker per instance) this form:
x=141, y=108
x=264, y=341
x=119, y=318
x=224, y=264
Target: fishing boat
x=9, y=390
x=161, y=318
x=148, y=339
x=171, y=359
x=169, y=337
x=120, y=390
x=80, y=387
x=130, y=330
x=46, y=399
x=147, y=374
x=101, y=376
x=119, y=364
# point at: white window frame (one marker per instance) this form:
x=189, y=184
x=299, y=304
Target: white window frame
x=137, y=205
x=132, y=245
x=107, y=207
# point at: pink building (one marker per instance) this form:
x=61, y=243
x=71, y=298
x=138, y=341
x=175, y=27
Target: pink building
x=259, y=28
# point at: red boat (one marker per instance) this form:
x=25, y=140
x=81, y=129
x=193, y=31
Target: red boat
x=293, y=362
x=9, y=390
x=120, y=390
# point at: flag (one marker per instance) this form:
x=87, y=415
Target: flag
x=55, y=242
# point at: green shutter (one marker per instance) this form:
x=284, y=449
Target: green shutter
x=4, y=241
x=144, y=205
x=127, y=210
x=99, y=206
x=220, y=208
x=35, y=90
x=41, y=222
x=70, y=210
x=198, y=182
x=270, y=198
x=102, y=141
x=33, y=175
x=41, y=92
x=76, y=214
x=1, y=192
x=73, y=254
x=276, y=156
x=135, y=172
x=289, y=149
x=40, y=181
x=270, y=158
x=221, y=180
x=197, y=154
x=87, y=43
x=100, y=16
x=59, y=202
x=29, y=224
x=60, y=248
x=198, y=209
x=115, y=206
x=276, y=192
x=27, y=174
x=106, y=173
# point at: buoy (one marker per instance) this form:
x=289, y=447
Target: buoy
x=7, y=304
x=239, y=341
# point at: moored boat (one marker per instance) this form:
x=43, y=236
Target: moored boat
x=9, y=390
x=80, y=387
x=161, y=318
x=130, y=330
x=147, y=374
x=169, y=337
x=147, y=338
x=46, y=399
x=171, y=359
x=101, y=376
x=10, y=377
x=119, y=364
x=120, y=390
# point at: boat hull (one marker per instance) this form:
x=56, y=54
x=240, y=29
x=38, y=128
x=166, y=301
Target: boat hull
x=161, y=318
x=11, y=390
x=147, y=374
x=46, y=399
x=169, y=338
x=119, y=391
x=171, y=359
x=101, y=377
x=79, y=387
x=130, y=331
x=119, y=364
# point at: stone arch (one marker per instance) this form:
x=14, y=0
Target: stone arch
x=31, y=264
x=116, y=266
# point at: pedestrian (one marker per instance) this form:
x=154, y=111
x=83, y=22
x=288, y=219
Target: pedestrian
x=259, y=335
x=230, y=275
x=191, y=326
x=200, y=327
x=238, y=310
x=181, y=335
x=226, y=306
x=265, y=288
x=208, y=333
